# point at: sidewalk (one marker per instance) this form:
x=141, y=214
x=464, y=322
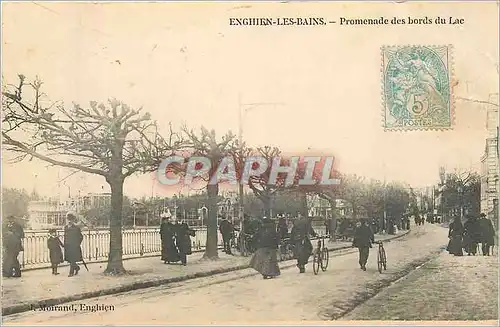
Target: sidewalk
x=447, y=288
x=40, y=287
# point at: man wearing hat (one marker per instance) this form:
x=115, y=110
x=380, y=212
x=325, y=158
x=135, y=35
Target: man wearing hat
x=13, y=245
x=487, y=234
x=72, y=239
x=363, y=239
x=300, y=235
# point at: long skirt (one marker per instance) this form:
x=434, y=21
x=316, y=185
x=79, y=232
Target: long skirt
x=169, y=252
x=455, y=245
x=265, y=261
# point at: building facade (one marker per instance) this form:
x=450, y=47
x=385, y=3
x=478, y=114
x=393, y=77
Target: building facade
x=51, y=212
x=490, y=186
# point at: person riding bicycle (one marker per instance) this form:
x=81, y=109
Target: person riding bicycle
x=300, y=237
x=363, y=239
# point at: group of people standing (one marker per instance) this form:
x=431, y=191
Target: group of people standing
x=72, y=253
x=175, y=241
x=469, y=235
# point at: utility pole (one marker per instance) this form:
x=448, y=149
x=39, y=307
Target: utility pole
x=240, y=184
x=384, y=222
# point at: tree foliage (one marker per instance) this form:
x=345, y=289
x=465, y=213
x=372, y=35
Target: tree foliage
x=462, y=189
x=15, y=203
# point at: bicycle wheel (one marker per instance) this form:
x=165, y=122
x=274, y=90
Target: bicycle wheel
x=384, y=257
x=325, y=255
x=316, y=262
x=379, y=260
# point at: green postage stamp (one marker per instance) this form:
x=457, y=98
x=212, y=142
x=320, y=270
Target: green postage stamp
x=417, y=92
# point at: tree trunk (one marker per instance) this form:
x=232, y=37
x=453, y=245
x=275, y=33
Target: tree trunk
x=115, y=263
x=354, y=211
x=266, y=201
x=303, y=205
x=211, y=244
x=333, y=225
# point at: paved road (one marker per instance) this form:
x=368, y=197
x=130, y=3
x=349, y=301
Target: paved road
x=243, y=296
x=447, y=288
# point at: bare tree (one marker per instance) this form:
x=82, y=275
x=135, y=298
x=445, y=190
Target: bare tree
x=205, y=144
x=260, y=185
x=111, y=140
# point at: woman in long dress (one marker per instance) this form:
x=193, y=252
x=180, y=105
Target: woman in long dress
x=455, y=235
x=265, y=259
x=169, y=253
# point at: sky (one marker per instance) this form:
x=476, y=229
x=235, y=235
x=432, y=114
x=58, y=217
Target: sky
x=184, y=64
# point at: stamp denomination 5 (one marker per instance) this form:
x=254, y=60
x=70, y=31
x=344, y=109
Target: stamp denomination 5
x=416, y=88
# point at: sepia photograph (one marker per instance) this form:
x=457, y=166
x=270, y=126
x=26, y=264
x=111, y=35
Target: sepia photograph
x=229, y=163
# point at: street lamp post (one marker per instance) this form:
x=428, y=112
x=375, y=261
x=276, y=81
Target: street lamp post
x=134, y=214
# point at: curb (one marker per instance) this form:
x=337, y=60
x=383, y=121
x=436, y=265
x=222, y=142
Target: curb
x=28, y=306
x=48, y=266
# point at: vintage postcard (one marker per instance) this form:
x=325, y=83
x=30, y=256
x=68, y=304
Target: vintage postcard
x=250, y=163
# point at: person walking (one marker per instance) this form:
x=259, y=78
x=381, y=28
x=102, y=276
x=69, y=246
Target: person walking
x=183, y=240
x=472, y=235
x=54, y=245
x=169, y=251
x=487, y=234
x=455, y=234
x=13, y=245
x=300, y=233
x=265, y=259
x=72, y=239
x=282, y=228
x=363, y=239
x=226, y=229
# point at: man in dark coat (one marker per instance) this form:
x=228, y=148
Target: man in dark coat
x=227, y=231
x=72, y=239
x=169, y=251
x=301, y=231
x=487, y=234
x=363, y=239
x=455, y=235
x=472, y=235
x=13, y=245
x=282, y=228
x=183, y=240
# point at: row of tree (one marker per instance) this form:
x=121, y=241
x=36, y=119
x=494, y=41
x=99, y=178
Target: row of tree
x=116, y=141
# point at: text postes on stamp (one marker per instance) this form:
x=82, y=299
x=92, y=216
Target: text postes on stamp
x=416, y=88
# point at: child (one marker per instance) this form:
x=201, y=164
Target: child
x=54, y=244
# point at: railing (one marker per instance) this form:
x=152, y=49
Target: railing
x=137, y=242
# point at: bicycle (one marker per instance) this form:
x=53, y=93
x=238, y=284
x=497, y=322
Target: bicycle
x=286, y=249
x=381, y=257
x=321, y=256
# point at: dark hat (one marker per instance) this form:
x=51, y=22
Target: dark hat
x=483, y=215
x=70, y=217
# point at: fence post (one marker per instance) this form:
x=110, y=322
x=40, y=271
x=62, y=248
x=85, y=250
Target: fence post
x=140, y=242
x=90, y=252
